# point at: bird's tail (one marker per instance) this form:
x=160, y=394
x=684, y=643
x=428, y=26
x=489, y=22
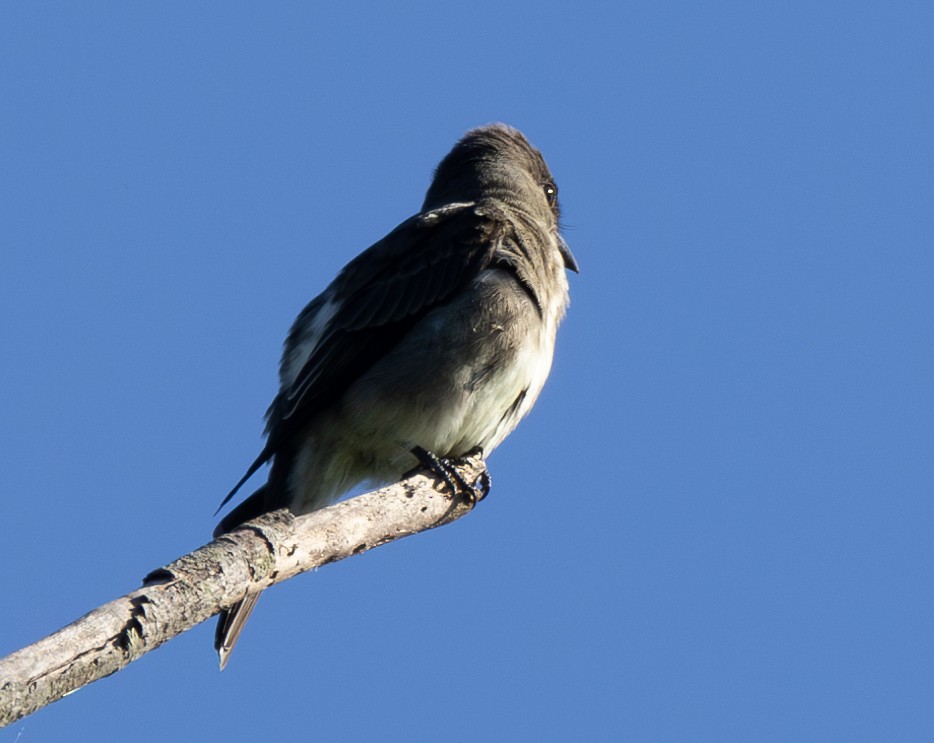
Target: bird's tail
x=230, y=624
x=256, y=505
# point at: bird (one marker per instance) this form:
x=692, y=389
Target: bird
x=433, y=343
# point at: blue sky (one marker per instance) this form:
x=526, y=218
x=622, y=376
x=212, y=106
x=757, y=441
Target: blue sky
x=717, y=522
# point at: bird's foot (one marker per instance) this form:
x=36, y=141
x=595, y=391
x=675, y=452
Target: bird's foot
x=448, y=470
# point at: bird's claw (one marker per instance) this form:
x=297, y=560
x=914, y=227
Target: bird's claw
x=448, y=470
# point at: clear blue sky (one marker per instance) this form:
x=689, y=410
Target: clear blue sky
x=716, y=525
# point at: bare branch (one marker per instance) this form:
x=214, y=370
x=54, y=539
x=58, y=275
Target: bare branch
x=175, y=598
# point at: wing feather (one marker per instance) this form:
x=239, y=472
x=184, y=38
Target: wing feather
x=380, y=295
x=377, y=298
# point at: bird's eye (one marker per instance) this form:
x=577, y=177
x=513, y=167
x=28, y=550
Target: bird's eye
x=551, y=193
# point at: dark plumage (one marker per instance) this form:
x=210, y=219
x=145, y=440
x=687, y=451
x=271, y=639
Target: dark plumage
x=438, y=336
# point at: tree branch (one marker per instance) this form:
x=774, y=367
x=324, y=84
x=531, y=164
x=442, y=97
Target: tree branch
x=173, y=599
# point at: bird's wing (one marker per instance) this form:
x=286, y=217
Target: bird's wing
x=381, y=294
x=373, y=303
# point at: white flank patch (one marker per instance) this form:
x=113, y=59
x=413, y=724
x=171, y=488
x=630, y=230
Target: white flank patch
x=308, y=341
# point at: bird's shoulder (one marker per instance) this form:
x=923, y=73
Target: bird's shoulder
x=453, y=233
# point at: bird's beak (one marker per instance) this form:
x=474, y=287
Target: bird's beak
x=569, y=260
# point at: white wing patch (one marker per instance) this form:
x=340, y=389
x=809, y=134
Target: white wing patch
x=307, y=342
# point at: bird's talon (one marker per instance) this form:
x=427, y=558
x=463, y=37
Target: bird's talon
x=482, y=486
x=447, y=470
